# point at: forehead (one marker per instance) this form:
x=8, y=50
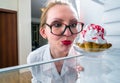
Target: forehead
x=62, y=11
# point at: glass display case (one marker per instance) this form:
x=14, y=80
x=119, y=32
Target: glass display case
x=99, y=67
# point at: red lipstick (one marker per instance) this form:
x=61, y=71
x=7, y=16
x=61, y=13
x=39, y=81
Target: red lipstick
x=66, y=42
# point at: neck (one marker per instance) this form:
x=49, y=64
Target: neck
x=56, y=54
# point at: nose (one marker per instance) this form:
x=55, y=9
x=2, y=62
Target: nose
x=67, y=32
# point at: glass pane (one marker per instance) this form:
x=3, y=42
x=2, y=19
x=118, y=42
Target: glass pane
x=22, y=74
x=16, y=76
x=99, y=67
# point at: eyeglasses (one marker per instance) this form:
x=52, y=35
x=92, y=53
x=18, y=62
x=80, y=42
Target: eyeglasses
x=59, y=28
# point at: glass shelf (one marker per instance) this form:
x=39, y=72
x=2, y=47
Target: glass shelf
x=99, y=67
x=106, y=68
x=21, y=73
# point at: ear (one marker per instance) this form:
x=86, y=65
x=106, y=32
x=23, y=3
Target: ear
x=42, y=32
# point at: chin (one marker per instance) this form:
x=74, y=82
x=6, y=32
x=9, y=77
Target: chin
x=66, y=48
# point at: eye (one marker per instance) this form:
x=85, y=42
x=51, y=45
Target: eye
x=73, y=25
x=57, y=25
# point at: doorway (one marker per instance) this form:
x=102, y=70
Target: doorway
x=8, y=38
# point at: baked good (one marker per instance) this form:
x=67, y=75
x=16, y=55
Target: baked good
x=92, y=39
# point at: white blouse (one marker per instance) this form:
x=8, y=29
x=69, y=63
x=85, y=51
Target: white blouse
x=47, y=73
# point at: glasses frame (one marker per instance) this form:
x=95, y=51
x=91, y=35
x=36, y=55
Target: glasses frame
x=66, y=26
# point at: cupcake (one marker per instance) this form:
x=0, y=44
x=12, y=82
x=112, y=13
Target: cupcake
x=92, y=39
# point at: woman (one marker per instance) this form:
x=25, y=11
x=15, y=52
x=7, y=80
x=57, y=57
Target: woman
x=60, y=27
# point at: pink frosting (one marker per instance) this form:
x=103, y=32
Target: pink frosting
x=93, y=33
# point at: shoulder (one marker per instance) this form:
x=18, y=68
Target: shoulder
x=37, y=54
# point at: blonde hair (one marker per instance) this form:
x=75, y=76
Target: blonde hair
x=45, y=10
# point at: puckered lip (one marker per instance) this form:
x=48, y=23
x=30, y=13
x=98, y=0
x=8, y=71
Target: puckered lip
x=66, y=42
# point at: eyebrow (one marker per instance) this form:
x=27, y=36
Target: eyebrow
x=61, y=20
x=58, y=19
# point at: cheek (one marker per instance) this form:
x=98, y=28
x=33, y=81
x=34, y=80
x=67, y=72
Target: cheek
x=48, y=33
x=52, y=38
x=74, y=36
x=53, y=41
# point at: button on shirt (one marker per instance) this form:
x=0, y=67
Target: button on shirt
x=47, y=73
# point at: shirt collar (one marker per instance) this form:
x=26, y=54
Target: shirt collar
x=47, y=57
x=50, y=66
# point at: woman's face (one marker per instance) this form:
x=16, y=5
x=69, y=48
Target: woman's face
x=62, y=14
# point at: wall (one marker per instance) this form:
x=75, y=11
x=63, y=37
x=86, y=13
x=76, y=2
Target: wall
x=23, y=7
x=24, y=29
x=7, y=4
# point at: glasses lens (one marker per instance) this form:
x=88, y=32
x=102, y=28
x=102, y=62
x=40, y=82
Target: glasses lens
x=76, y=28
x=59, y=28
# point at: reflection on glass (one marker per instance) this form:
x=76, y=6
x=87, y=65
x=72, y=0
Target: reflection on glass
x=21, y=74
x=102, y=67
x=15, y=77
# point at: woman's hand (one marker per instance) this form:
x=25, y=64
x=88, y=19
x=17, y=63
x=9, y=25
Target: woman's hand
x=79, y=68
